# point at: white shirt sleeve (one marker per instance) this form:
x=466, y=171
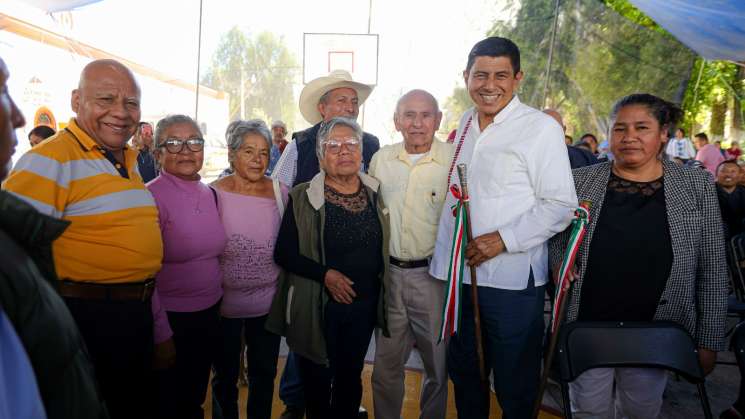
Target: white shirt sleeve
x=553, y=187
x=286, y=169
x=670, y=148
x=691, y=150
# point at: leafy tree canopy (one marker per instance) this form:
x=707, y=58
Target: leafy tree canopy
x=259, y=68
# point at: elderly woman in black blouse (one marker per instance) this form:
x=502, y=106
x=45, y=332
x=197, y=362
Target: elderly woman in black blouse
x=654, y=250
x=333, y=245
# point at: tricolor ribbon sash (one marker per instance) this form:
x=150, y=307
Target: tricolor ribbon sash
x=451, y=309
x=579, y=225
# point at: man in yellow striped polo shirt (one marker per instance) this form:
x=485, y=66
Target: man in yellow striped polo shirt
x=107, y=257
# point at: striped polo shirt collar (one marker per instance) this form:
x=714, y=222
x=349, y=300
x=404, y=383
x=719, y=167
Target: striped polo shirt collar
x=88, y=144
x=85, y=140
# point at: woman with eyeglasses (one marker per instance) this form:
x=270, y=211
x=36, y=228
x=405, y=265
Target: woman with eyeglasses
x=251, y=207
x=333, y=245
x=189, y=285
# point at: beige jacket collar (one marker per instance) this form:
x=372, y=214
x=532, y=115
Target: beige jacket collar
x=315, y=192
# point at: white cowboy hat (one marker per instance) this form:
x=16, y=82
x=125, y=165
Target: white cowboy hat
x=313, y=91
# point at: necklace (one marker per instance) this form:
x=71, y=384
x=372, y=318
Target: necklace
x=457, y=148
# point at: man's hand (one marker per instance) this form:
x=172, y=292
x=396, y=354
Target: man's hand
x=339, y=286
x=165, y=355
x=707, y=358
x=483, y=248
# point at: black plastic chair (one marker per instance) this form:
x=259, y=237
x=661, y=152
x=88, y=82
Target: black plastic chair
x=738, y=346
x=667, y=345
x=736, y=262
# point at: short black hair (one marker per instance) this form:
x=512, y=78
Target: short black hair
x=703, y=136
x=585, y=145
x=42, y=131
x=594, y=138
x=495, y=46
x=681, y=130
x=666, y=113
x=731, y=161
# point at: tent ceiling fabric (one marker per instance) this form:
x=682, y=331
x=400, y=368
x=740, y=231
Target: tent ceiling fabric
x=715, y=29
x=52, y=6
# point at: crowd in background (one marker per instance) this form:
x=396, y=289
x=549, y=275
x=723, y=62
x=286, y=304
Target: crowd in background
x=127, y=282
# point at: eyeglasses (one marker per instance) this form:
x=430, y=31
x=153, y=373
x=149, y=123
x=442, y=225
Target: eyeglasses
x=334, y=146
x=175, y=146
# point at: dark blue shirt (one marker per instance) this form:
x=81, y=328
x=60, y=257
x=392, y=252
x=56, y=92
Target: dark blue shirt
x=146, y=166
x=579, y=157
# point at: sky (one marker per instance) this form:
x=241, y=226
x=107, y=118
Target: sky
x=423, y=43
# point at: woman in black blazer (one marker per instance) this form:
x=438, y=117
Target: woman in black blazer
x=654, y=250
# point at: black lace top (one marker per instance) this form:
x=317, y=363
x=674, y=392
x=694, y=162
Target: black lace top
x=630, y=254
x=353, y=238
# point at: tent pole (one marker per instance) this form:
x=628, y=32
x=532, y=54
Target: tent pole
x=695, y=89
x=550, y=54
x=199, y=56
x=369, y=24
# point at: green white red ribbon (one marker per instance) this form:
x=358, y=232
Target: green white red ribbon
x=579, y=225
x=451, y=309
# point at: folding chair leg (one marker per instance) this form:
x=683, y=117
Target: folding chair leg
x=704, y=400
x=566, y=402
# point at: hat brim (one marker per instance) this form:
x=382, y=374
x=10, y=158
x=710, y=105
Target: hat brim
x=313, y=91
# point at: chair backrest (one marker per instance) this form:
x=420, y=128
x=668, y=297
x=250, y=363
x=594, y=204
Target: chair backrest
x=736, y=250
x=661, y=344
x=738, y=345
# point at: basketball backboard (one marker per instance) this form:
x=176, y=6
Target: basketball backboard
x=355, y=53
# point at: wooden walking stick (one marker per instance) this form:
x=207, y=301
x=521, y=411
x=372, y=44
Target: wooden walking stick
x=582, y=218
x=463, y=175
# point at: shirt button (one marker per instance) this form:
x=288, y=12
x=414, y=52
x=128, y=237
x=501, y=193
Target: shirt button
x=118, y=166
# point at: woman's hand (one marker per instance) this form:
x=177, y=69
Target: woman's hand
x=339, y=286
x=164, y=355
x=707, y=358
x=572, y=275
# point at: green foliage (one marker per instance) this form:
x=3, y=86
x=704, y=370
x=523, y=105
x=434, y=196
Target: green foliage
x=630, y=12
x=718, y=80
x=455, y=105
x=264, y=66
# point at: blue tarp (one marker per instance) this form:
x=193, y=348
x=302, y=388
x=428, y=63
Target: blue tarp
x=715, y=29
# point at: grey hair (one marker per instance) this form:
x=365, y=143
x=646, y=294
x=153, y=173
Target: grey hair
x=324, y=97
x=243, y=128
x=171, y=120
x=328, y=127
x=279, y=123
x=231, y=126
